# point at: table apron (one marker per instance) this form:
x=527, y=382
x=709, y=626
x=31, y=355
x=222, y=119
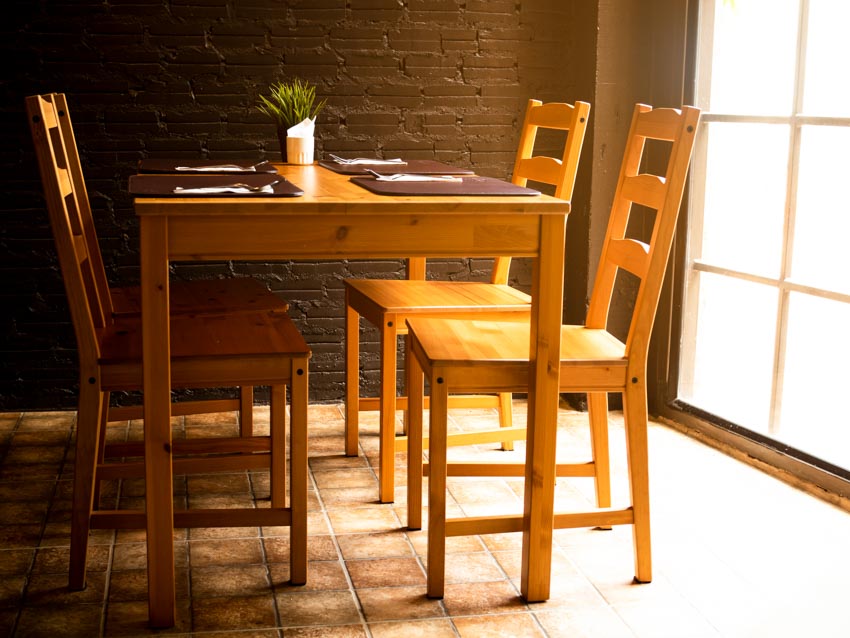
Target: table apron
x=202, y=237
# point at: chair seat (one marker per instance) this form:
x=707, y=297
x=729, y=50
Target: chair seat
x=226, y=296
x=206, y=349
x=404, y=296
x=452, y=342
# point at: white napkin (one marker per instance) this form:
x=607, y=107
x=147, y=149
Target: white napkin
x=366, y=160
x=304, y=128
x=220, y=168
x=213, y=190
x=407, y=177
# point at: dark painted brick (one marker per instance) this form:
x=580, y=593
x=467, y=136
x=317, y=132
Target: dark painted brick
x=429, y=79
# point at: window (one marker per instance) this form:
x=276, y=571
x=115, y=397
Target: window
x=766, y=307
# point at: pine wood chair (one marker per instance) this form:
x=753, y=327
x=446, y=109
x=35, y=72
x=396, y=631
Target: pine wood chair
x=388, y=303
x=475, y=356
x=221, y=296
x=215, y=350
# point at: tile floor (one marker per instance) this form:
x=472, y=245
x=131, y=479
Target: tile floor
x=736, y=552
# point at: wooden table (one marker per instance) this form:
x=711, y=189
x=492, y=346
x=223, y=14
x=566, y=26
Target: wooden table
x=336, y=219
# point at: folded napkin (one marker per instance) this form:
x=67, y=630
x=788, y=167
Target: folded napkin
x=408, y=177
x=366, y=160
x=219, y=168
x=214, y=190
x=304, y=128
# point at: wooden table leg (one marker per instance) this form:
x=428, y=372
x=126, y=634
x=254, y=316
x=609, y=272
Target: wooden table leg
x=547, y=294
x=415, y=401
x=386, y=452
x=157, y=410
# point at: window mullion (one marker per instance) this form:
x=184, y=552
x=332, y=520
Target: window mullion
x=788, y=226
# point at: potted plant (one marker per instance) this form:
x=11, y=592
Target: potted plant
x=288, y=104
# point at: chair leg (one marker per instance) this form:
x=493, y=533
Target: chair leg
x=90, y=422
x=506, y=417
x=597, y=409
x=635, y=413
x=246, y=411
x=414, y=381
x=298, y=473
x=437, y=449
x=101, y=449
x=405, y=420
x=389, y=352
x=277, y=431
x=352, y=379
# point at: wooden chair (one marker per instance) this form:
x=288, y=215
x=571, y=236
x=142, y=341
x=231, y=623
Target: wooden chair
x=475, y=356
x=388, y=303
x=220, y=296
x=211, y=350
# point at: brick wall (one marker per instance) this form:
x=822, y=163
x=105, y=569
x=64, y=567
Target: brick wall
x=439, y=79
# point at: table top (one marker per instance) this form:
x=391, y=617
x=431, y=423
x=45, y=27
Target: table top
x=329, y=193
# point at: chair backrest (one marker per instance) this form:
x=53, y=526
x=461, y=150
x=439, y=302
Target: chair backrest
x=560, y=173
x=71, y=221
x=660, y=192
x=543, y=169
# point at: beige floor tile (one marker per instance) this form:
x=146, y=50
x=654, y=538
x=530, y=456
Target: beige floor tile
x=129, y=585
x=476, y=567
x=345, y=479
x=413, y=629
x=494, y=626
x=8, y=617
x=52, y=589
x=12, y=591
x=359, y=520
x=383, y=545
x=464, y=599
x=54, y=560
x=335, y=499
x=317, y=608
x=236, y=612
x=223, y=533
x=321, y=576
x=454, y=544
x=385, y=572
x=71, y=621
x=326, y=631
x=398, y=603
x=219, y=484
x=318, y=548
x=237, y=551
x=572, y=622
x=131, y=619
x=23, y=513
x=20, y=536
x=335, y=461
x=230, y=580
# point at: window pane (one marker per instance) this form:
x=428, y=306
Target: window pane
x=815, y=383
x=822, y=223
x=827, y=90
x=732, y=366
x=745, y=186
x=753, y=57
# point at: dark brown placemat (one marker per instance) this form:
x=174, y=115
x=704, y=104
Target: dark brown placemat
x=164, y=185
x=417, y=167
x=153, y=165
x=471, y=185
